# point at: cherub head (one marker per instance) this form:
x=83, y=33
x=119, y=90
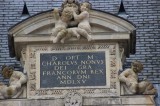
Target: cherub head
x=85, y=6
x=67, y=14
x=7, y=71
x=137, y=66
x=70, y=3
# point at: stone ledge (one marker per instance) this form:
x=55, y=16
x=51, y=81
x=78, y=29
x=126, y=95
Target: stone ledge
x=138, y=100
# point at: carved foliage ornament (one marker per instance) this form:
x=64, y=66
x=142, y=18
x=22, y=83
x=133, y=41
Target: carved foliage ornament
x=73, y=99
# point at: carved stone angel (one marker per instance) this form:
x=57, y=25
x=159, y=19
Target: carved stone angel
x=61, y=32
x=129, y=79
x=16, y=83
x=84, y=28
x=61, y=24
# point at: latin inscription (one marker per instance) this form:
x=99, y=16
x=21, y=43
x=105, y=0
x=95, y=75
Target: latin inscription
x=72, y=69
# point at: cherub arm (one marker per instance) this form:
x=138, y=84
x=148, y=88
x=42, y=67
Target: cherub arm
x=123, y=76
x=22, y=79
x=81, y=16
x=56, y=14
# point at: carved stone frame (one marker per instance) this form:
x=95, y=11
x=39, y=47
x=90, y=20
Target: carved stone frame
x=112, y=88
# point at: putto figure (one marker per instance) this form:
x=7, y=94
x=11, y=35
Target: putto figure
x=60, y=31
x=16, y=83
x=61, y=24
x=66, y=24
x=146, y=87
x=129, y=79
x=83, y=19
x=84, y=28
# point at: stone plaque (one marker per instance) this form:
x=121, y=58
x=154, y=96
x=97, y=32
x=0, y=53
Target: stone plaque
x=88, y=69
x=72, y=69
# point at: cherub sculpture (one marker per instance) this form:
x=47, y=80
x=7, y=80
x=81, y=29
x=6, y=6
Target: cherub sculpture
x=61, y=24
x=129, y=79
x=83, y=19
x=84, y=28
x=16, y=83
x=146, y=87
x=71, y=32
x=61, y=32
x=73, y=5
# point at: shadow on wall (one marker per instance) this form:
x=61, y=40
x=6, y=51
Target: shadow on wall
x=157, y=98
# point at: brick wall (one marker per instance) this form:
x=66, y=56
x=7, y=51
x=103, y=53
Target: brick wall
x=145, y=14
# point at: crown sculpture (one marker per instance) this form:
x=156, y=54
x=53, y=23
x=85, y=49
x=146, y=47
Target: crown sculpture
x=71, y=20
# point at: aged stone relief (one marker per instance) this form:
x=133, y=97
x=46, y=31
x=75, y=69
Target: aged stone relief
x=65, y=27
x=62, y=22
x=73, y=99
x=129, y=79
x=16, y=85
x=146, y=87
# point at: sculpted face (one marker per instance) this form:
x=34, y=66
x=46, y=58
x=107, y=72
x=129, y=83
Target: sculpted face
x=67, y=13
x=85, y=6
x=70, y=4
x=7, y=72
x=137, y=66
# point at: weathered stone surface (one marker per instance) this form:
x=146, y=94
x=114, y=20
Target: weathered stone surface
x=119, y=47
x=17, y=83
x=129, y=79
x=73, y=99
x=120, y=101
x=98, y=63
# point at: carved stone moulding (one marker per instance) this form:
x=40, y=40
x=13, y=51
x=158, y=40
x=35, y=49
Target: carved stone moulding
x=36, y=89
x=119, y=101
